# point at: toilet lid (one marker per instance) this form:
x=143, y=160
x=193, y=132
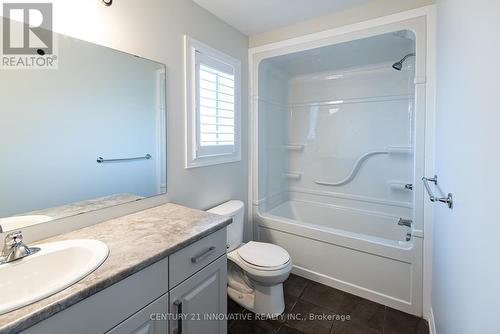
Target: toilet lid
x=263, y=254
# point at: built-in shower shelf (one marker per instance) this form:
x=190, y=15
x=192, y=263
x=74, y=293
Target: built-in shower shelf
x=294, y=147
x=399, y=149
x=400, y=186
x=293, y=176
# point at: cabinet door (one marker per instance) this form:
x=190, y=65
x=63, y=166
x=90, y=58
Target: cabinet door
x=199, y=304
x=149, y=320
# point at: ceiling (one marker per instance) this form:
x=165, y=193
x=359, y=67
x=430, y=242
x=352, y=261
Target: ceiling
x=256, y=16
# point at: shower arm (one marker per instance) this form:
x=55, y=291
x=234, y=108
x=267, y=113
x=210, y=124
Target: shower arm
x=406, y=57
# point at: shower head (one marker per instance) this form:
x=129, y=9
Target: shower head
x=399, y=64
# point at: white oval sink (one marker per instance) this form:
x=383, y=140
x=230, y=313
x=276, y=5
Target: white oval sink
x=55, y=267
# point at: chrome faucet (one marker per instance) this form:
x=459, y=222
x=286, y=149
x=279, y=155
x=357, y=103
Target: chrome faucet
x=405, y=222
x=15, y=249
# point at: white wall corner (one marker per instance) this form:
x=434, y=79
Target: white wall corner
x=430, y=159
x=430, y=320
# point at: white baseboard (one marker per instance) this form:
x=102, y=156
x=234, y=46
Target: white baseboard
x=432, y=324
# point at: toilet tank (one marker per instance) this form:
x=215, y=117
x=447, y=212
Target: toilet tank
x=234, y=209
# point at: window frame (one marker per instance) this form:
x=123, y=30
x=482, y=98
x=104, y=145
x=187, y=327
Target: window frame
x=197, y=155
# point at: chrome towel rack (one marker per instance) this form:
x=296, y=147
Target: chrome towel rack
x=447, y=200
x=100, y=160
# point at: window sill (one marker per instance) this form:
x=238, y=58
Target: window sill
x=212, y=161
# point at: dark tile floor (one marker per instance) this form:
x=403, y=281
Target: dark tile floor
x=313, y=308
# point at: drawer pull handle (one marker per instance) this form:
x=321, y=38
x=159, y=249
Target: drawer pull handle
x=198, y=258
x=178, y=304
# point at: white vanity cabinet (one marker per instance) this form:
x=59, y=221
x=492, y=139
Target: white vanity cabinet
x=191, y=281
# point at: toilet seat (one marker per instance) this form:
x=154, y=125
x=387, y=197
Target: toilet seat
x=258, y=270
x=264, y=256
x=248, y=267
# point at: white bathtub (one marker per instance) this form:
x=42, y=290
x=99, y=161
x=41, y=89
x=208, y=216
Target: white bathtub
x=361, y=252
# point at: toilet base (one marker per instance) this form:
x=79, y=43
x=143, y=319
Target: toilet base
x=267, y=301
x=246, y=300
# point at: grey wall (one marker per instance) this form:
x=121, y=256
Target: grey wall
x=466, y=271
x=154, y=29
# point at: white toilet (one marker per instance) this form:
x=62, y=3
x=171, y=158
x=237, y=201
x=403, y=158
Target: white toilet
x=255, y=270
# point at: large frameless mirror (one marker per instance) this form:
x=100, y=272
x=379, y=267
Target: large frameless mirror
x=86, y=135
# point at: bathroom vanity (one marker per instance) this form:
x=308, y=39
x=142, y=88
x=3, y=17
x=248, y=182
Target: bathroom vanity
x=165, y=273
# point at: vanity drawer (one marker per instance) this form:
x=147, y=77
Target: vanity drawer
x=192, y=258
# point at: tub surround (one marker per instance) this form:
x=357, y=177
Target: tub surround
x=135, y=241
x=333, y=109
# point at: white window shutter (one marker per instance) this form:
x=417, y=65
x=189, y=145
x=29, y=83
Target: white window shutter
x=215, y=114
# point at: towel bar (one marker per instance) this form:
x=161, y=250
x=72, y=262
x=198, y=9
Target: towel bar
x=100, y=160
x=448, y=200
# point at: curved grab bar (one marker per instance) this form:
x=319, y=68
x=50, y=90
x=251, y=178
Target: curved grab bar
x=357, y=164
x=354, y=170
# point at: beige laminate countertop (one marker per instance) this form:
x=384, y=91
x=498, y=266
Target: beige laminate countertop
x=135, y=241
